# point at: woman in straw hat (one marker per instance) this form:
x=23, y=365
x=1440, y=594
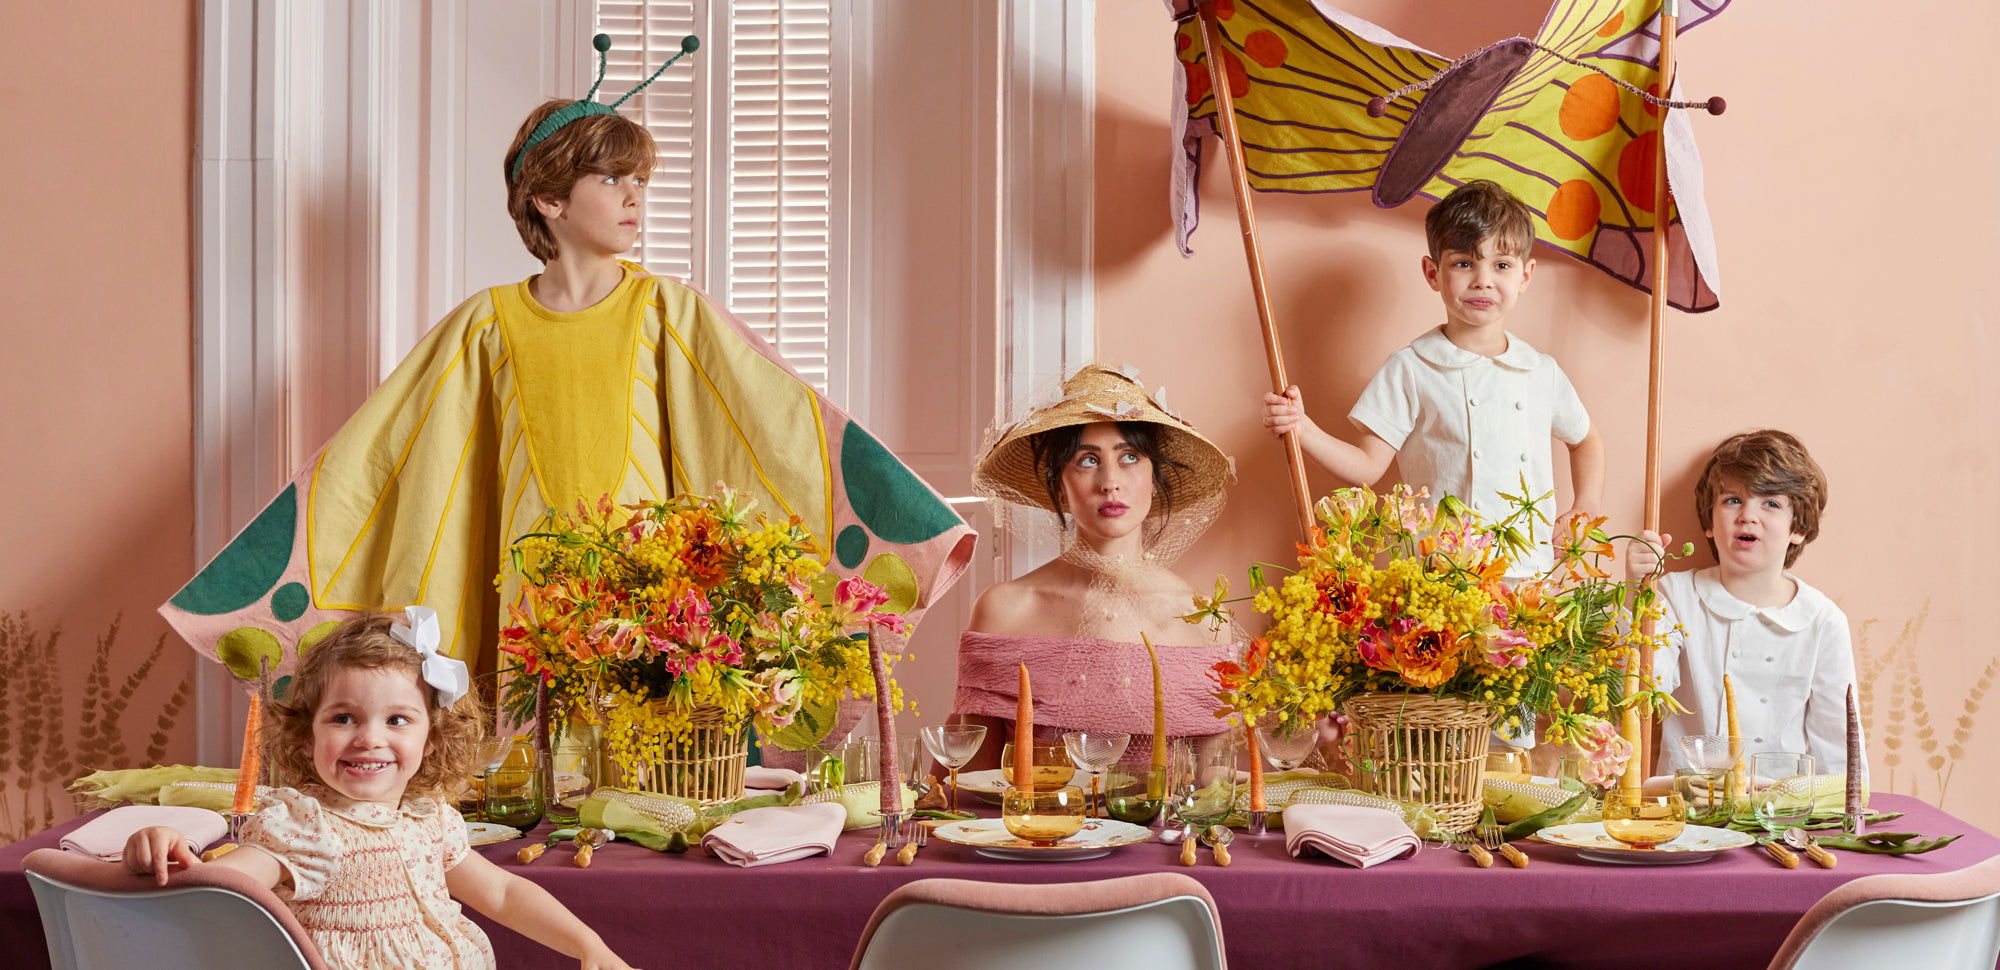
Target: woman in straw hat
x=1124, y=485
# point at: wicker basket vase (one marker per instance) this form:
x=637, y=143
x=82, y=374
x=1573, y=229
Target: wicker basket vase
x=707, y=766
x=1423, y=748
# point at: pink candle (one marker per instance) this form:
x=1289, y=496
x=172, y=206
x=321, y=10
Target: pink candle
x=885, y=721
x=1854, y=755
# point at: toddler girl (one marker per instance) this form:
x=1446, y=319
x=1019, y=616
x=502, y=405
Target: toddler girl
x=374, y=729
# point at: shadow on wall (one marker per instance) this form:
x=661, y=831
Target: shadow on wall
x=43, y=746
x=1920, y=752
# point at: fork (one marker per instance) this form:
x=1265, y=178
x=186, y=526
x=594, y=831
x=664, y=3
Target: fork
x=920, y=836
x=1493, y=839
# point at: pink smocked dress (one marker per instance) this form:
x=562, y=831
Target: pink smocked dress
x=367, y=880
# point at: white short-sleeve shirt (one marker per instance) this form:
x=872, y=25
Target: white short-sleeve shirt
x=1473, y=426
x=1790, y=666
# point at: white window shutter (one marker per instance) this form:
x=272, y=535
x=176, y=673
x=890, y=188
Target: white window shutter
x=743, y=200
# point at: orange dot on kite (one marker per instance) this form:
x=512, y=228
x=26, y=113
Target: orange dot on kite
x=1635, y=170
x=1265, y=48
x=1652, y=110
x=1239, y=79
x=1225, y=9
x=1612, y=24
x=1183, y=41
x=1198, y=82
x=1589, y=107
x=1574, y=209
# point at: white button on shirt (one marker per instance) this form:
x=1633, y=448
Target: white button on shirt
x=1424, y=403
x=1800, y=687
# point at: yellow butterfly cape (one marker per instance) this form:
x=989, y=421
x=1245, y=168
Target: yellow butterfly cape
x=1563, y=138
x=506, y=409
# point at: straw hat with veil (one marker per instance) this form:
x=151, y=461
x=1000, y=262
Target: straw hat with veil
x=1071, y=474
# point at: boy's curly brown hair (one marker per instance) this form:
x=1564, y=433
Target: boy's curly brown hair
x=592, y=145
x=1765, y=463
x=365, y=642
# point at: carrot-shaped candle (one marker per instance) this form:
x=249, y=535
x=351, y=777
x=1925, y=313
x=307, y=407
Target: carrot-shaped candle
x=1024, y=736
x=1635, y=766
x=885, y=726
x=1256, y=770
x=1857, y=813
x=1736, y=780
x=1156, y=784
x=246, y=776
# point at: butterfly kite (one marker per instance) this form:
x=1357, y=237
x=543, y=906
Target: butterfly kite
x=1328, y=102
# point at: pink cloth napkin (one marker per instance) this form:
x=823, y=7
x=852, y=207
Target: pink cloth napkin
x=766, y=836
x=770, y=779
x=1360, y=837
x=103, y=838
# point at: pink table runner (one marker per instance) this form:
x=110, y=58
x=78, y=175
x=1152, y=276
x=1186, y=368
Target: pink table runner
x=1434, y=910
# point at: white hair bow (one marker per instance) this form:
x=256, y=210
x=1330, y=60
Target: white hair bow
x=448, y=676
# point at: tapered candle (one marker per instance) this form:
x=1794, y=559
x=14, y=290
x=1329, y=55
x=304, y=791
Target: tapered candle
x=1854, y=806
x=885, y=726
x=1629, y=727
x=1159, y=711
x=1729, y=702
x=246, y=775
x=1024, y=736
x=1256, y=770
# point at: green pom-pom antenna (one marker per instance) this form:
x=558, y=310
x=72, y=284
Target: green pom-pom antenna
x=589, y=105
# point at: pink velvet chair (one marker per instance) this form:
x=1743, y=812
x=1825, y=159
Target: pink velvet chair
x=1941, y=921
x=1155, y=921
x=97, y=916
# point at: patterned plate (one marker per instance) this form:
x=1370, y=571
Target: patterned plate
x=989, y=837
x=486, y=833
x=990, y=783
x=1696, y=843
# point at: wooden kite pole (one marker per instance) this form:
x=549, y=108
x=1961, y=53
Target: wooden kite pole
x=1669, y=26
x=1232, y=148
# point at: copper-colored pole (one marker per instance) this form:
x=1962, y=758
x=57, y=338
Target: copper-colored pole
x=1669, y=25
x=1232, y=148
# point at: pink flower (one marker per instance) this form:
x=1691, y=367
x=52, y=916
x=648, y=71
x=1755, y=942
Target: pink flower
x=1374, y=648
x=854, y=603
x=778, y=695
x=1604, y=751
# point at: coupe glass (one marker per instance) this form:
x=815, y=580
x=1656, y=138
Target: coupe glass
x=1204, y=786
x=1643, y=819
x=1787, y=801
x=953, y=745
x=1712, y=752
x=1094, y=751
x=1286, y=746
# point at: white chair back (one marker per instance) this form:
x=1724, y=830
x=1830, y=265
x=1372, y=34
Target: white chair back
x=1961, y=935
x=168, y=929
x=1158, y=921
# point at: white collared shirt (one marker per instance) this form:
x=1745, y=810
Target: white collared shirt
x=1473, y=426
x=1790, y=665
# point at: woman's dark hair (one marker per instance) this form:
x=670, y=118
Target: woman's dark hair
x=1056, y=446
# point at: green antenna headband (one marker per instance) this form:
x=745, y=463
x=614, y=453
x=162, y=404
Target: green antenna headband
x=589, y=105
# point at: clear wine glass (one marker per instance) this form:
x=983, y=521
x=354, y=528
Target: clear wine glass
x=953, y=745
x=1095, y=751
x=1286, y=746
x=1206, y=786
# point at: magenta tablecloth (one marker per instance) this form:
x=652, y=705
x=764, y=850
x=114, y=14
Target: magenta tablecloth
x=1434, y=911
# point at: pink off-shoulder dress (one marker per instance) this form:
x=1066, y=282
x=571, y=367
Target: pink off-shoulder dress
x=367, y=881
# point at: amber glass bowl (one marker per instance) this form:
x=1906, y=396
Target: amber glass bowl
x=1643, y=819
x=1053, y=769
x=1043, y=816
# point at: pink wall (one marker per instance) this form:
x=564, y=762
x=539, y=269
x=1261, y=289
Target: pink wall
x=95, y=377
x=1853, y=217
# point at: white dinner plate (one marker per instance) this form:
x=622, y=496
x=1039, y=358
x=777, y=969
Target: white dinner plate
x=989, y=837
x=1696, y=843
x=990, y=783
x=486, y=833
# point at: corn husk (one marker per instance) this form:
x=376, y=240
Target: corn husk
x=1513, y=801
x=141, y=786
x=863, y=802
x=1278, y=792
x=216, y=796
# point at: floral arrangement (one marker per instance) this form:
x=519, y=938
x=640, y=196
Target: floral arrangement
x=1393, y=593
x=695, y=601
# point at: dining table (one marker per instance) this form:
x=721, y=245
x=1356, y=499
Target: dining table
x=1435, y=909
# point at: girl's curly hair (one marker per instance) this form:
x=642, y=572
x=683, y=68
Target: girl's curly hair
x=365, y=642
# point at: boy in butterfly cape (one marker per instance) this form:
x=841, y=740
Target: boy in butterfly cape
x=593, y=378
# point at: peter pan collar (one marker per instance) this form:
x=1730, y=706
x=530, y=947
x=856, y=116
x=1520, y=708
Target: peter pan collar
x=1438, y=349
x=1791, y=617
x=372, y=814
